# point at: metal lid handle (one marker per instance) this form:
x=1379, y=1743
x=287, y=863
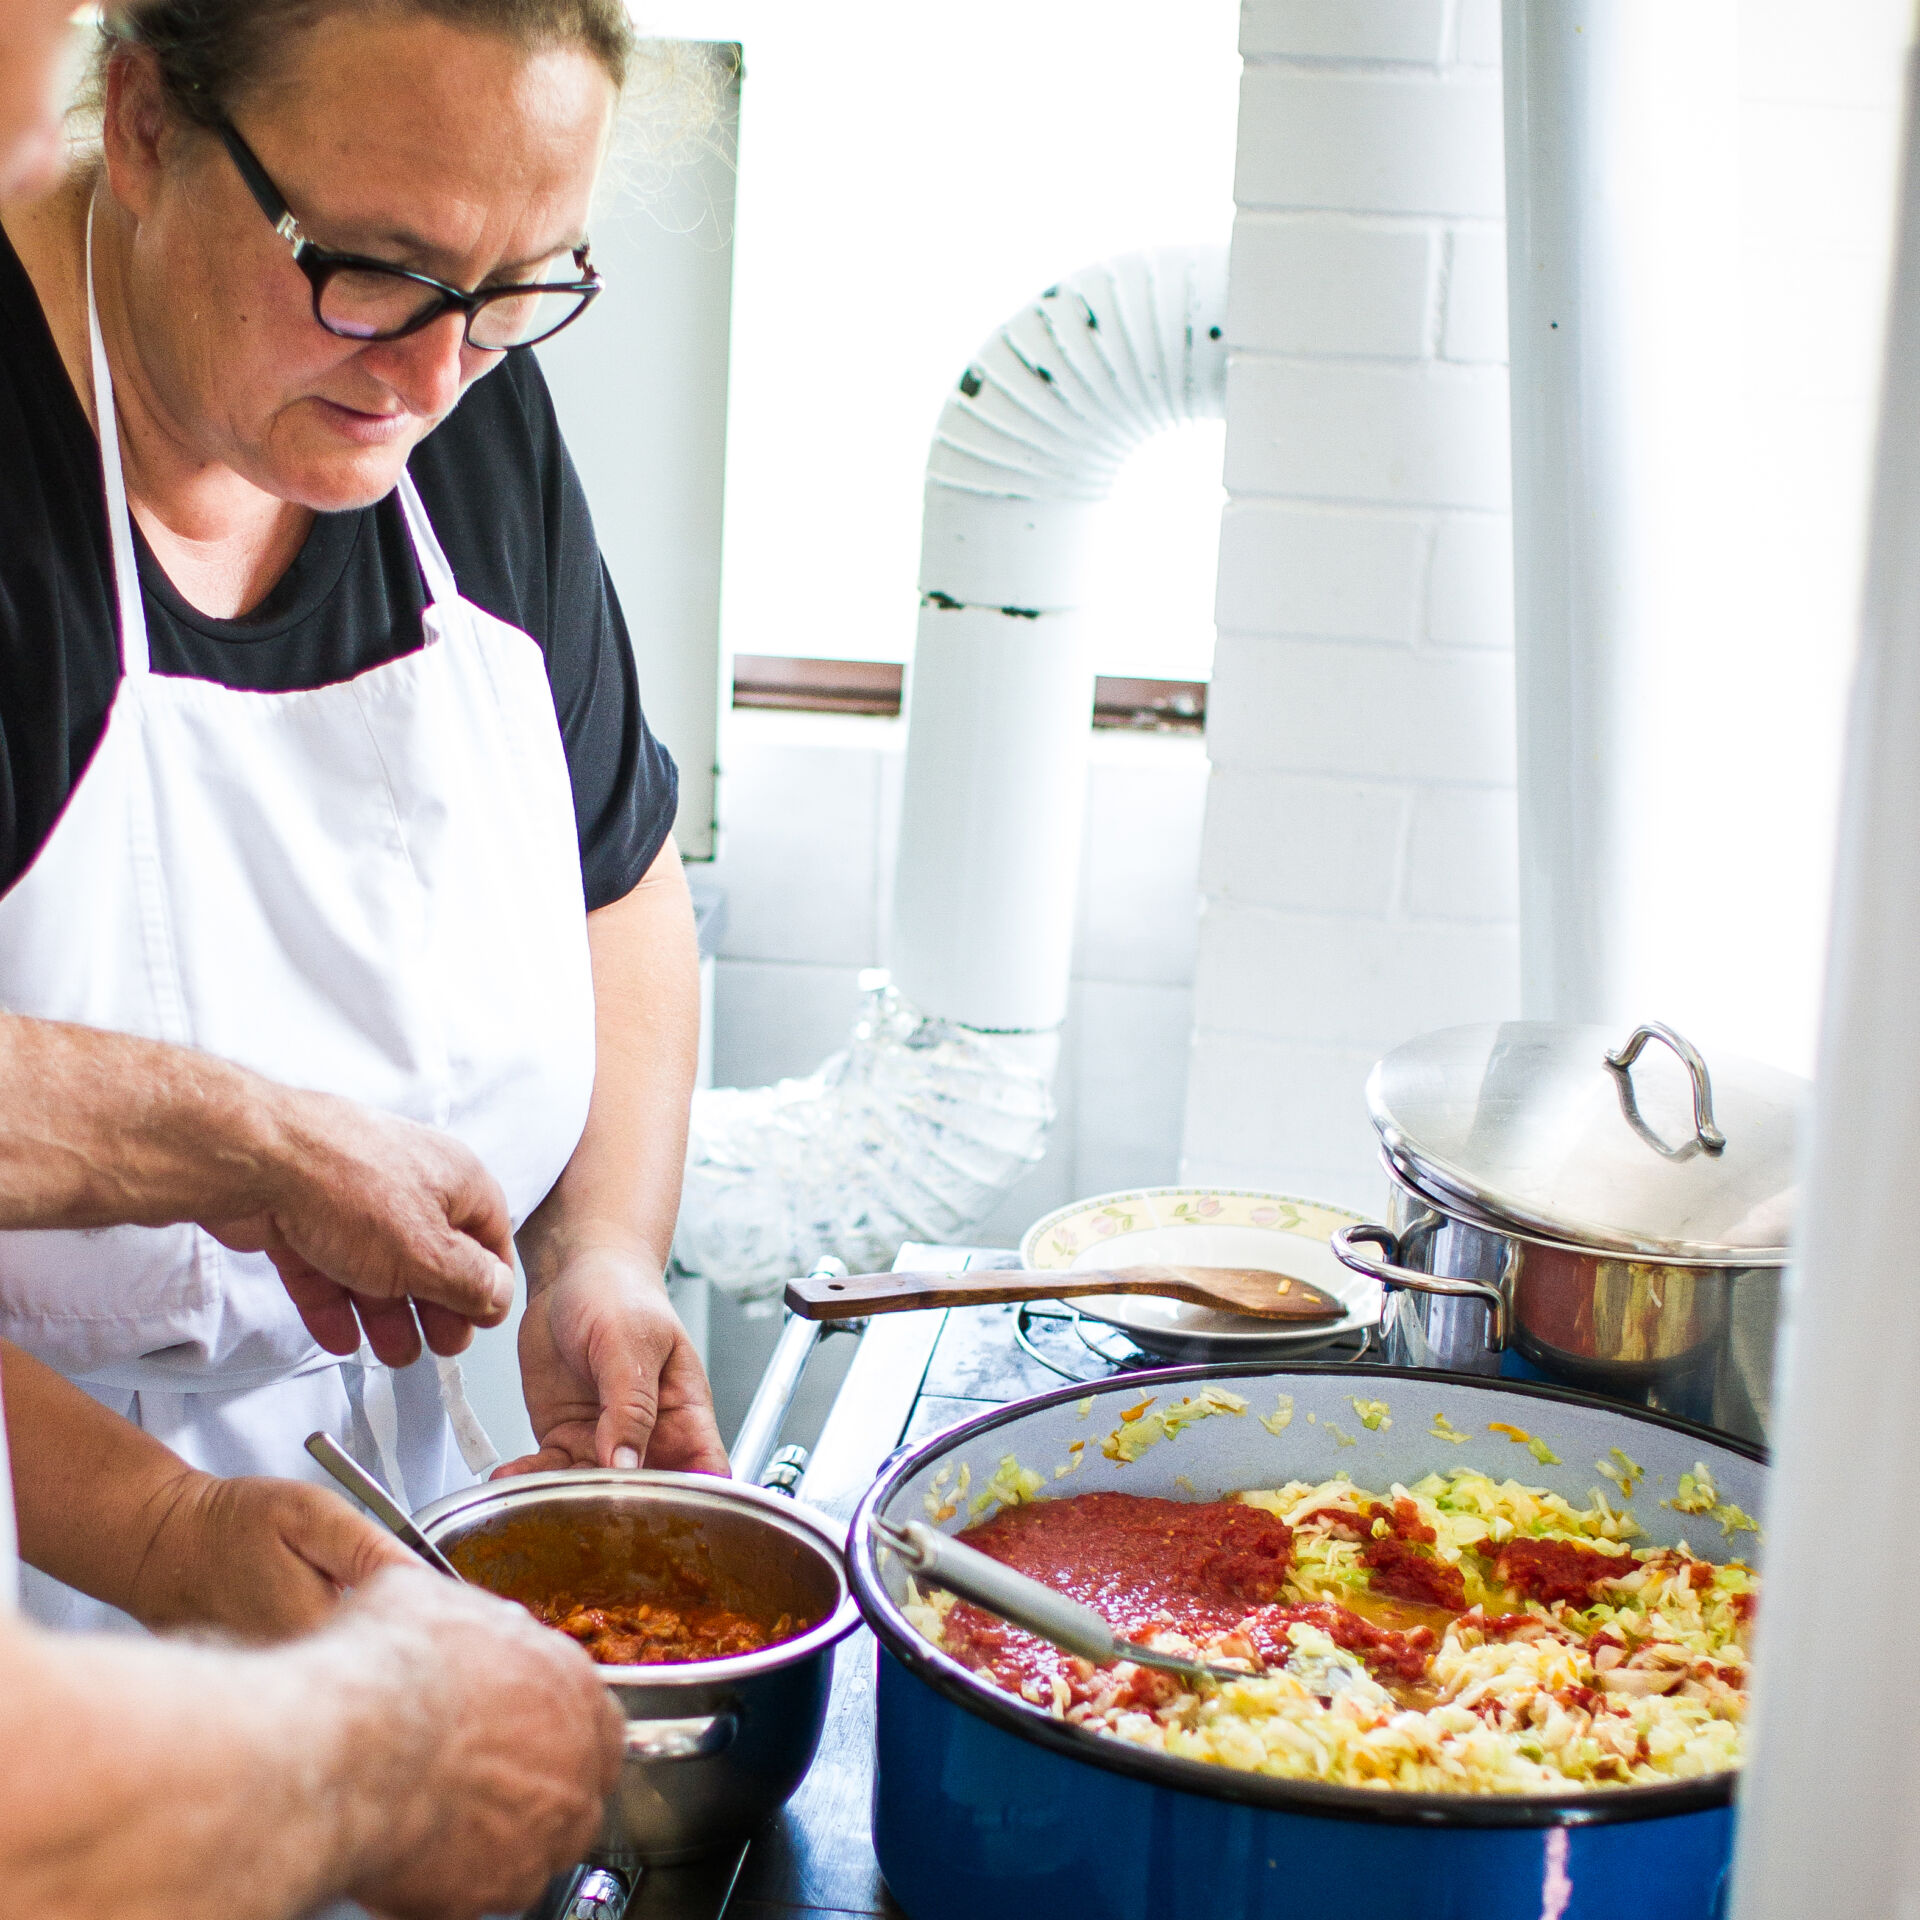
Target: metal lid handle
x=1620, y=1061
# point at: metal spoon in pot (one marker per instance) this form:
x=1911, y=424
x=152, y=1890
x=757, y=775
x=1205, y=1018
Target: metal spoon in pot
x=942, y=1561
x=377, y=1500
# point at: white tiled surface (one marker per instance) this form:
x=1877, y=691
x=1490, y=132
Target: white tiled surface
x=1462, y=856
x=1293, y=840
x=1470, y=585
x=1371, y=141
x=1391, y=713
x=1337, y=980
x=1412, y=30
x=799, y=853
x=1287, y=566
x=1130, y=1079
x=809, y=811
x=1416, y=435
x=1282, y=1113
x=1477, y=33
x=1476, y=298
x=776, y=1019
x=1140, y=870
x=1326, y=283
x=1359, y=858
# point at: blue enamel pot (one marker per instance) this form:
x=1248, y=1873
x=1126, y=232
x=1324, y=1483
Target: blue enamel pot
x=986, y=1808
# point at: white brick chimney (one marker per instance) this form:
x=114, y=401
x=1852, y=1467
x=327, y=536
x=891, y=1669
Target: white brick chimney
x=1358, y=870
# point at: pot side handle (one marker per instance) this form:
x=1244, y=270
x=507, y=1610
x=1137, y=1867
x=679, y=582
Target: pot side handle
x=696, y=1738
x=1348, y=1242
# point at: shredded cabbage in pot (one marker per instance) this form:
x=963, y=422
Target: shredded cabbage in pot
x=1642, y=1679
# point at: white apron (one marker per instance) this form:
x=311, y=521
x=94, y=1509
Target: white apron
x=371, y=888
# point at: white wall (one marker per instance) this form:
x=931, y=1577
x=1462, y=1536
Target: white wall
x=651, y=445
x=812, y=813
x=1358, y=871
x=910, y=174
x=1819, y=133
x=1359, y=863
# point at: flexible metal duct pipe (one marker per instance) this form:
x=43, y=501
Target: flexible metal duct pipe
x=941, y=1100
x=1827, y=1810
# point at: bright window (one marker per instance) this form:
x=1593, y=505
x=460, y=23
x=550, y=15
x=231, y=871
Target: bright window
x=909, y=176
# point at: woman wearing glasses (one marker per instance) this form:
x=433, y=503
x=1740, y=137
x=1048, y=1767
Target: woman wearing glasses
x=320, y=747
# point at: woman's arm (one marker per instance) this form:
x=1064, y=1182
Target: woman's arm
x=610, y=1376
x=108, y=1509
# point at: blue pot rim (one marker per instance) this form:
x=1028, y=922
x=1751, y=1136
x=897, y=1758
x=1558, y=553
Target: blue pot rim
x=1316, y=1798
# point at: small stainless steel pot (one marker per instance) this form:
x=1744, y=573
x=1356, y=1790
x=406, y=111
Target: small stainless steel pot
x=713, y=1746
x=1617, y=1231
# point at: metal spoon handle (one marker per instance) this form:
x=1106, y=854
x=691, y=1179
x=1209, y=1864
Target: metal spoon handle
x=373, y=1496
x=945, y=1562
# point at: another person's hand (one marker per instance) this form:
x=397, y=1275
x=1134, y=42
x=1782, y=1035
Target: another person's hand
x=369, y=1219
x=491, y=1745
x=610, y=1377
x=260, y=1559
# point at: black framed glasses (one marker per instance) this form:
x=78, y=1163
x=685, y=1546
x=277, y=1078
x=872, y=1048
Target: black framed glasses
x=363, y=299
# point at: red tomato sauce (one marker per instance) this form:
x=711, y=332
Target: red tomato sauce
x=1203, y=1567
x=1550, y=1570
x=1141, y=1564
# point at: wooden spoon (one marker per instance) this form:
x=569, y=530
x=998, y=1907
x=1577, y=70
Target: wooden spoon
x=1253, y=1291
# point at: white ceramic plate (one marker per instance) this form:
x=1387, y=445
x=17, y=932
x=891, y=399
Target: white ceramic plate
x=1204, y=1227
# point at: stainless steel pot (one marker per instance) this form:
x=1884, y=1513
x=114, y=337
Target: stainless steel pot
x=1618, y=1224
x=714, y=1746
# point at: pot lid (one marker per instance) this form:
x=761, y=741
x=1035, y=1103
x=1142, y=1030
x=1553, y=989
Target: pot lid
x=1623, y=1142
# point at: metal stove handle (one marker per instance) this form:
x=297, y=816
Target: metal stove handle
x=753, y=1445
x=697, y=1737
x=599, y=1894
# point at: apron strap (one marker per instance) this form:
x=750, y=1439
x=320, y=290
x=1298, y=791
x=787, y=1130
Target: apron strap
x=9, y=1533
x=126, y=569
x=382, y=1411
x=427, y=552
x=475, y=1444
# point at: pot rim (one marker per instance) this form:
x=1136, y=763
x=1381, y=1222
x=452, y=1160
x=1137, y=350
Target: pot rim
x=1473, y=1213
x=803, y=1523
x=1360, y=1805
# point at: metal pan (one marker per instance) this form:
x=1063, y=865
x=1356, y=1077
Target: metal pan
x=713, y=1746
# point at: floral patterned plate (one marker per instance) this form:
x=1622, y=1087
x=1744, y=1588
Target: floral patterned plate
x=1204, y=1227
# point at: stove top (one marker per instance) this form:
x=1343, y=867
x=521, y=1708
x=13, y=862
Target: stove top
x=913, y=1375
x=698, y=1891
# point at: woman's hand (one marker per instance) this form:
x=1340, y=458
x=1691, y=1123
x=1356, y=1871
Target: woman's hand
x=255, y=1558
x=610, y=1377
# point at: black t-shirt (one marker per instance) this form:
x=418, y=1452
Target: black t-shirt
x=505, y=502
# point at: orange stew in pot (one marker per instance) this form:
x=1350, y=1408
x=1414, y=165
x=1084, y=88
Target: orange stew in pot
x=646, y=1634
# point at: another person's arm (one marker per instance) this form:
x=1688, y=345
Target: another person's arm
x=434, y=1753
x=109, y=1510
x=358, y=1210
x=611, y=1378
